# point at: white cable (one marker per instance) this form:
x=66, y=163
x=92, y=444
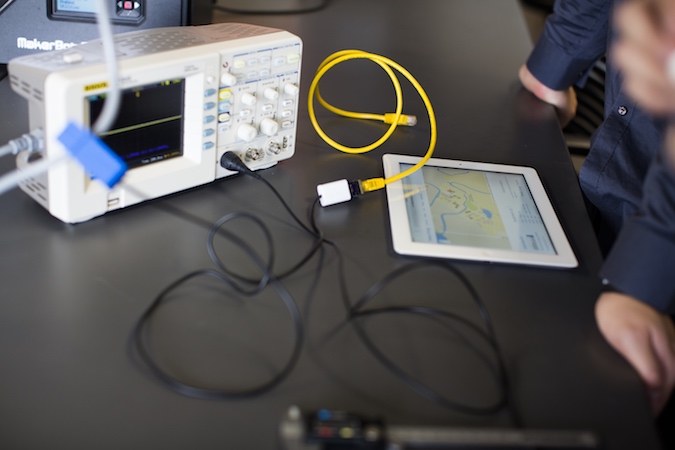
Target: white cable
x=112, y=101
x=103, y=123
x=32, y=142
x=6, y=150
x=15, y=177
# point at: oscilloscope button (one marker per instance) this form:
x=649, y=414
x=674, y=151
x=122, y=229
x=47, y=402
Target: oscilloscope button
x=209, y=119
x=209, y=92
x=209, y=105
x=209, y=132
x=208, y=145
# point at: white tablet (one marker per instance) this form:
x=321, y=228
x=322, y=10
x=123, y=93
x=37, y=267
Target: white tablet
x=474, y=211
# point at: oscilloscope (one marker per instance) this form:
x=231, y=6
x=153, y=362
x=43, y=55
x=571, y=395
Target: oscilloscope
x=189, y=94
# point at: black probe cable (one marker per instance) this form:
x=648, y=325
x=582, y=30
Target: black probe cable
x=267, y=279
x=356, y=312
x=232, y=162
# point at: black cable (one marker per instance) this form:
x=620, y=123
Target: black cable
x=489, y=335
x=232, y=162
x=415, y=384
x=266, y=276
x=419, y=387
x=267, y=279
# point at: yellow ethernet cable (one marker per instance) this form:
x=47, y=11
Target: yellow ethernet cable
x=342, y=190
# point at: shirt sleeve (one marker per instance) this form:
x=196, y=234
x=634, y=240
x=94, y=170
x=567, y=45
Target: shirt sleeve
x=574, y=38
x=642, y=260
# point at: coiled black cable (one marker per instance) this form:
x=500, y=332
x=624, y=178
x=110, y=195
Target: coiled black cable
x=267, y=279
x=354, y=311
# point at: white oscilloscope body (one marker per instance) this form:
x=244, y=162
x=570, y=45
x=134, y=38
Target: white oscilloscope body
x=241, y=86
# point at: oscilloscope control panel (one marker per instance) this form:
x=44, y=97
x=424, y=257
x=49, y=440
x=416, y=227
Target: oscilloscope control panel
x=256, y=105
x=189, y=94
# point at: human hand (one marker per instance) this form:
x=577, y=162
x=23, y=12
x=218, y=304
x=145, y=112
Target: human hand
x=565, y=102
x=645, y=50
x=645, y=337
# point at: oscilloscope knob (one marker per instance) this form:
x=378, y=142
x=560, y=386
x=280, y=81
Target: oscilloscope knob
x=271, y=94
x=269, y=126
x=248, y=99
x=246, y=132
x=228, y=79
x=291, y=89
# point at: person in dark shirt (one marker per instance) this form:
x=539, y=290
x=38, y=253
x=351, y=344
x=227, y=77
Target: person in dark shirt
x=575, y=36
x=640, y=268
x=629, y=186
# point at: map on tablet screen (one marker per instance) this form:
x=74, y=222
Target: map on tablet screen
x=474, y=211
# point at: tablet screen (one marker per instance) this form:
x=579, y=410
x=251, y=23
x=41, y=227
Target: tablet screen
x=474, y=208
x=474, y=211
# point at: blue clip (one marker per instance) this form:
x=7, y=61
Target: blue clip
x=99, y=160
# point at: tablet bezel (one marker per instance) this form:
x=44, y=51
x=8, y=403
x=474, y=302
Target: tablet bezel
x=400, y=225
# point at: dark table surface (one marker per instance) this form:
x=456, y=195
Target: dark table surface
x=71, y=294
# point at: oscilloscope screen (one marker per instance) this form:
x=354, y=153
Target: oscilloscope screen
x=149, y=125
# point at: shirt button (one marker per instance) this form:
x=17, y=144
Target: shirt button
x=622, y=110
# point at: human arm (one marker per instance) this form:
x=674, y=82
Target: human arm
x=640, y=270
x=574, y=38
x=634, y=316
x=644, y=337
x=564, y=101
